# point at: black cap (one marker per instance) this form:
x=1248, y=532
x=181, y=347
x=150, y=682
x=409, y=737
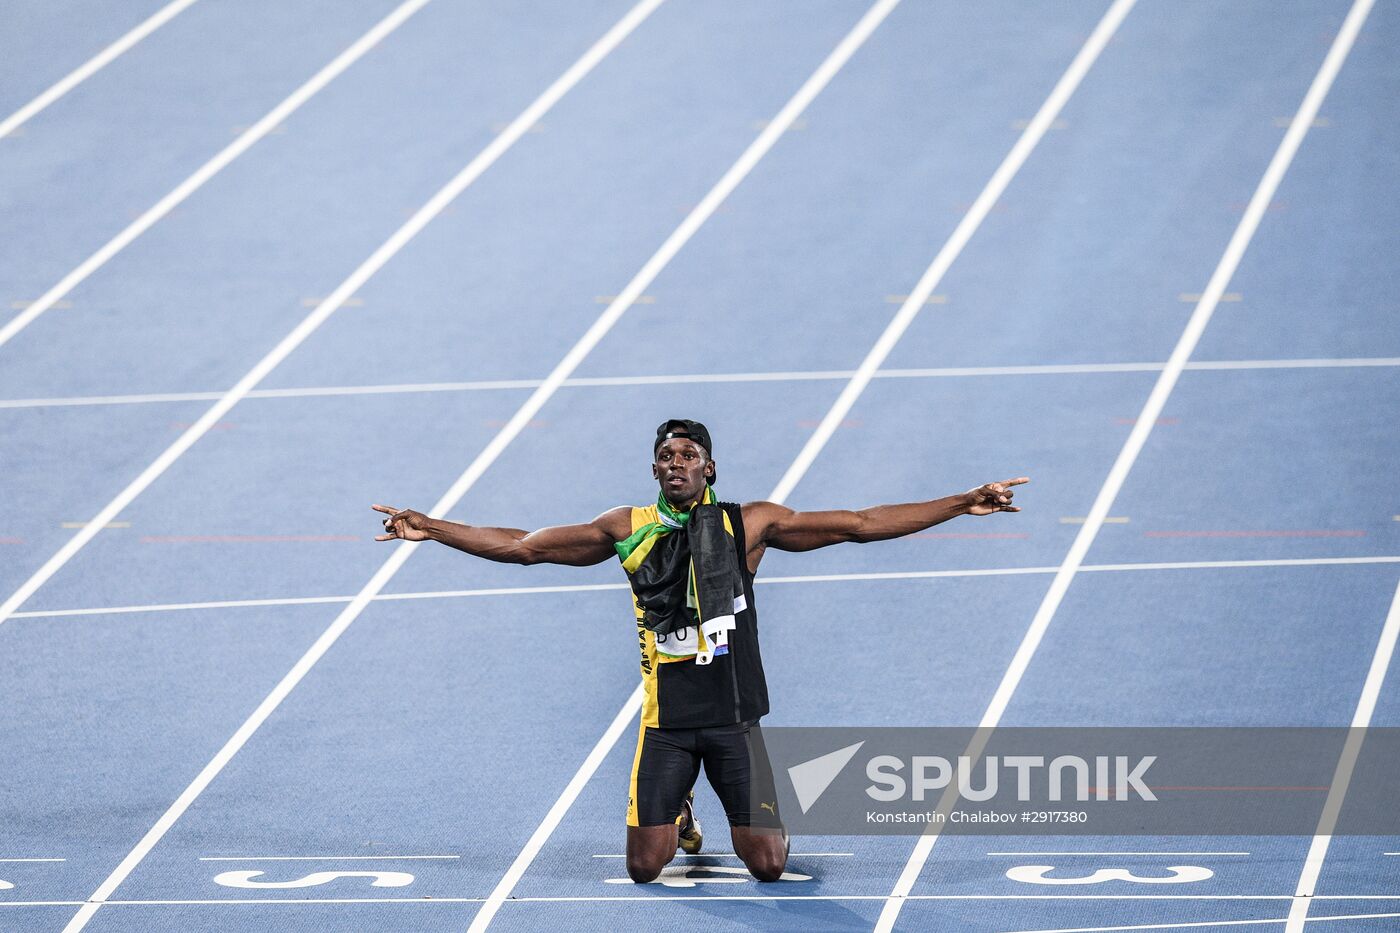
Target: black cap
x=690, y=430
x=680, y=427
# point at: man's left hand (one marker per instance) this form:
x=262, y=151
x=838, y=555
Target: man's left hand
x=994, y=497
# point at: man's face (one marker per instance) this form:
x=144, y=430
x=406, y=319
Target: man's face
x=681, y=468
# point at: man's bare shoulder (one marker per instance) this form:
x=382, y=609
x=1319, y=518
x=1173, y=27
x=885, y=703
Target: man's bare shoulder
x=759, y=514
x=617, y=522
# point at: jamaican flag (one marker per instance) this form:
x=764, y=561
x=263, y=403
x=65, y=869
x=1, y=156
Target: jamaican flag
x=684, y=570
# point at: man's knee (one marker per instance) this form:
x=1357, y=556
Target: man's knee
x=642, y=869
x=649, y=849
x=767, y=866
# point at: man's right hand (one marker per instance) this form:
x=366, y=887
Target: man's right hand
x=403, y=524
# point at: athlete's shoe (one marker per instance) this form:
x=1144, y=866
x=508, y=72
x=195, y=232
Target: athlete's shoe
x=690, y=835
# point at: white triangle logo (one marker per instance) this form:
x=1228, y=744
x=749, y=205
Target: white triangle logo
x=811, y=778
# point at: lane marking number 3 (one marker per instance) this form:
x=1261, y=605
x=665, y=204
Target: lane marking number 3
x=1180, y=874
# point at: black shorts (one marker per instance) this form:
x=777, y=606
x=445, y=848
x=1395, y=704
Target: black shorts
x=736, y=765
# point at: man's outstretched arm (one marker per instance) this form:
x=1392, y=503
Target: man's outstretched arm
x=773, y=525
x=576, y=545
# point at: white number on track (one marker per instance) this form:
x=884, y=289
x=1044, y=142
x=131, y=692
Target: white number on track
x=1180, y=874
x=382, y=879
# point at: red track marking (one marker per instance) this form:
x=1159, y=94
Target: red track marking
x=1160, y=421
x=242, y=539
x=1238, y=207
x=847, y=423
x=1248, y=789
x=1112, y=792
x=11, y=540
x=534, y=423
x=687, y=208
x=989, y=535
x=1259, y=533
x=962, y=207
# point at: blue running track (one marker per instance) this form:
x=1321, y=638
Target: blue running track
x=181, y=701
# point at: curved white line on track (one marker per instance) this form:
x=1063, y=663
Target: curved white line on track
x=90, y=67
x=209, y=169
x=424, y=215
x=1142, y=428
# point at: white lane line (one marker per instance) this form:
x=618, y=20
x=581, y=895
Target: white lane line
x=1340, y=362
x=1341, y=777
x=320, y=858
x=208, y=170
x=1202, y=923
x=695, y=378
x=313, y=600
x=596, y=587
x=643, y=898
x=966, y=227
x=941, y=897
x=488, y=156
x=81, y=400
x=9, y=860
x=386, y=251
x=772, y=131
x=698, y=378
x=1214, y=564
x=1118, y=853
x=1151, y=411
x=986, y=200
x=1126, y=853
x=311, y=392
x=734, y=855
x=180, y=607
x=511, y=590
x=646, y=898
x=900, y=575
x=90, y=67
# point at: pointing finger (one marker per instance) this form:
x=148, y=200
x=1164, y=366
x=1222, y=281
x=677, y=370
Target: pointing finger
x=389, y=509
x=385, y=537
x=1017, y=481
